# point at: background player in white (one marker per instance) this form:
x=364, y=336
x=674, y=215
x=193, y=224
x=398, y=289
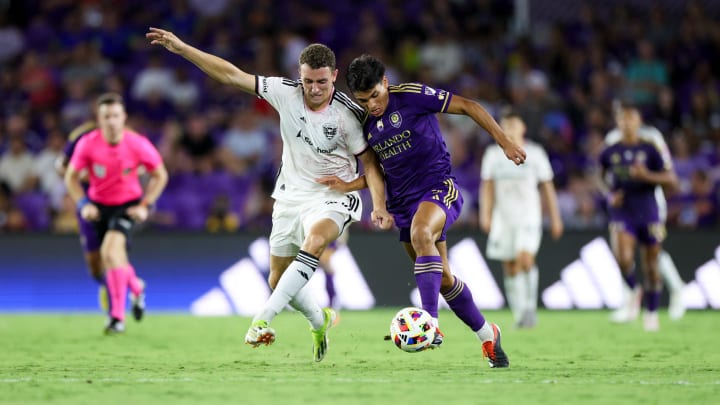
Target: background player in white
x=669, y=272
x=322, y=135
x=511, y=211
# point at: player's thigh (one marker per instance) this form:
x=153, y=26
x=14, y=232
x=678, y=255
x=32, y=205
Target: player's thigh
x=428, y=222
x=286, y=235
x=623, y=242
x=500, y=243
x=113, y=249
x=527, y=243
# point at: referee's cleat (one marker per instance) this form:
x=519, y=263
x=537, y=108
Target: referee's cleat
x=493, y=351
x=260, y=334
x=114, y=327
x=138, y=303
x=320, y=336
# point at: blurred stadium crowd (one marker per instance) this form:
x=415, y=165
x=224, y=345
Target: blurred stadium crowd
x=562, y=70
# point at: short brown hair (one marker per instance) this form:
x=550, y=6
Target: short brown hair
x=317, y=56
x=109, y=98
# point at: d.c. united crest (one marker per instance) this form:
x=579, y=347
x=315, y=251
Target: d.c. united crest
x=330, y=130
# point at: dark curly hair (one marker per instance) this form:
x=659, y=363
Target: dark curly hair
x=364, y=73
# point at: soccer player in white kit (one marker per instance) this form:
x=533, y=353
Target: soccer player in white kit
x=322, y=135
x=630, y=308
x=511, y=212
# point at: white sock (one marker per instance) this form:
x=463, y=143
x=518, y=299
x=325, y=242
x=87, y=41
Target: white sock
x=436, y=321
x=292, y=280
x=521, y=291
x=304, y=302
x=486, y=332
x=669, y=271
x=532, y=285
x=511, y=295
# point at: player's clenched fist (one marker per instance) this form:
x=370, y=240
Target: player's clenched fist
x=165, y=38
x=515, y=153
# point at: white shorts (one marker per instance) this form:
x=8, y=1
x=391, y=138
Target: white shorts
x=292, y=220
x=505, y=242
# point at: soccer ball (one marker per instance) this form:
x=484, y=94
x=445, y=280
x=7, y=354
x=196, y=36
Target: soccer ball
x=412, y=330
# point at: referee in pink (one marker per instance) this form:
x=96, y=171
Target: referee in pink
x=115, y=202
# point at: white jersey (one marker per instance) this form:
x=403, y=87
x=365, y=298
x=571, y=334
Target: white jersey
x=649, y=134
x=315, y=143
x=517, y=198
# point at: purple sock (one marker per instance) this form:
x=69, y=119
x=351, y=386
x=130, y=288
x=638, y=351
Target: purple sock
x=330, y=288
x=428, y=275
x=652, y=300
x=630, y=279
x=461, y=302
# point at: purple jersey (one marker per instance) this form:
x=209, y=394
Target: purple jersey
x=639, y=211
x=409, y=144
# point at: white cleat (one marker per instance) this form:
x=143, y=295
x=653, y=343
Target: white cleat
x=260, y=334
x=651, y=321
x=630, y=310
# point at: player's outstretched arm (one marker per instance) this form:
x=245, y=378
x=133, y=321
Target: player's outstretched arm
x=462, y=105
x=217, y=68
x=376, y=183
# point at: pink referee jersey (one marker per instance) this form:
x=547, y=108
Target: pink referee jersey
x=113, y=169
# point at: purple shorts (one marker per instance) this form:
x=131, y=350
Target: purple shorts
x=88, y=235
x=445, y=195
x=648, y=231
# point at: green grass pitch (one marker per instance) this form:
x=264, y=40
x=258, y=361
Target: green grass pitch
x=571, y=357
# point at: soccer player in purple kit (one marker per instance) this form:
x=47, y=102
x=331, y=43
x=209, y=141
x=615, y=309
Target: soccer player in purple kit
x=422, y=195
x=633, y=167
x=115, y=201
x=88, y=237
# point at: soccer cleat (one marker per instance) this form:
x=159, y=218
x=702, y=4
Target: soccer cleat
x=493, y=351
x=630, y=309
x=103, y=299
x=529, y=320
x=320, y=337
x=138, y=302
x=114, y=327
x=676, y=307
x=437, y=340
x=651, y=321
x=260, y=334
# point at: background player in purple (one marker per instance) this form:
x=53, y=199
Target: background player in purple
x=422, y=196
x=88, y=237
x=112, y=155
x=633, y=168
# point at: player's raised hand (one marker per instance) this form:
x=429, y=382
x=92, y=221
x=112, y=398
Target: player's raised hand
x=165, y=38
x=515, y=153
x=335, y=183
x=382, y=219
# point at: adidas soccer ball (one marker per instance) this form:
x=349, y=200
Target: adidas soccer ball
x=412, y=329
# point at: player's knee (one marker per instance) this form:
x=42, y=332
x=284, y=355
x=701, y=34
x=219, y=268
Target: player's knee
x=111, y=258
x=525, y=261
x=421, y=237
x=315, y=244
